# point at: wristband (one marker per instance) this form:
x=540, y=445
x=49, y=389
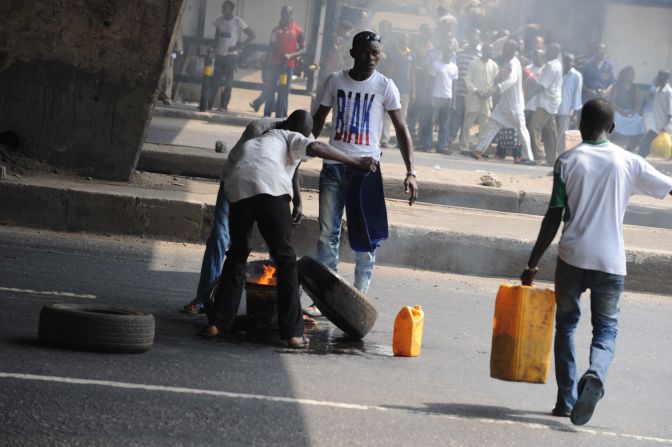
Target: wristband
x=413, y=173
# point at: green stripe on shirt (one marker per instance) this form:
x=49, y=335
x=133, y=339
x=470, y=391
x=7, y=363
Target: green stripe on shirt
x=559, y=196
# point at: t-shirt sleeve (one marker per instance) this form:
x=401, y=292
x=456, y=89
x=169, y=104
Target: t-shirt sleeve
x=559, y=193
x=297, y=144
x=652, y=182
x=392, y=99
x=242, y=24
x=327, y=99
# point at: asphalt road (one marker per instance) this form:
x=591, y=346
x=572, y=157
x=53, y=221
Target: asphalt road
x=203, y=134
x=235, y=391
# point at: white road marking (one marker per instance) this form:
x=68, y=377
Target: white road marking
x=48, y=292
x=317, y=403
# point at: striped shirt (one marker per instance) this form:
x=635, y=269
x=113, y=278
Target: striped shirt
x=464, y=59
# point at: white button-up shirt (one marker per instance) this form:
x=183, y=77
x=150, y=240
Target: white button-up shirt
x=551, y=80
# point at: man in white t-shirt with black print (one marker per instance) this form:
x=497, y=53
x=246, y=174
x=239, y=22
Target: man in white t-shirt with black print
x=228, y=31
x=359, y=96
x=592, y=185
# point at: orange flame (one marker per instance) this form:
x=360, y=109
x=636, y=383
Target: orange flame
x=268, y=277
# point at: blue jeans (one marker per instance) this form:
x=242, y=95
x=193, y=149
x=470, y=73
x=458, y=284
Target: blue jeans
x=273, y=86
x=332, y=203
x=215, y=247
x=605, y=294
x=442, y=106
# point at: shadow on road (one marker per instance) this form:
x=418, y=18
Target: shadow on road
x=26, y=342
x=154, y=277
x=473, y=411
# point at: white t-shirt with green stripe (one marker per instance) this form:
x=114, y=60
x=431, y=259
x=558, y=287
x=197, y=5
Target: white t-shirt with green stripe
x=593, y=183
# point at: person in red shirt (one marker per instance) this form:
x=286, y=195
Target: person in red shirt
x=287, y=43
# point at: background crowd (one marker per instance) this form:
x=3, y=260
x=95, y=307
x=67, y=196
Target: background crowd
x=473, y=92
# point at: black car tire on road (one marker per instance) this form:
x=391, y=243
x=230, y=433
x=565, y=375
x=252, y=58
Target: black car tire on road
x=96, y=328
x=341, y=303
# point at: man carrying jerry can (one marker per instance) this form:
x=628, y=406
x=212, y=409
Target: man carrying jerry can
x=591, y=187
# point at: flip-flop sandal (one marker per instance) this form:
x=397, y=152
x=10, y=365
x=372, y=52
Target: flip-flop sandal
x=591, y=391
x=305, y=341
x=193, y=309
x=312, y=311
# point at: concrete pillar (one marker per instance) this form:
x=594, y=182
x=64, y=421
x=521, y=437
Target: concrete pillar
x=78, y=78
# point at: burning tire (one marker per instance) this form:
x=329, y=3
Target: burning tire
x=96, y=328
x=341, y=303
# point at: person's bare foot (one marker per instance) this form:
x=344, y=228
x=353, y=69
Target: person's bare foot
x=309, y=321
x=297, y=342
x=209, y=331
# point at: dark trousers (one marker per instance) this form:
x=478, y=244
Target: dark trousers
x=224, y=68
x=277, y=87
x=425, y=111
x=456, y=117
x=274, y=221
x=443, y=118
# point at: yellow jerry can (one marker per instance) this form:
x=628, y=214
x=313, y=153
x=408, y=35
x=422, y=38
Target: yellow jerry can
x=522, y=334
x=661, y=146
x=407, y=338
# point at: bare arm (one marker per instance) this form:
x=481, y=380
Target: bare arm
x=250, y=36
x=549, y=228
x=297, y=207
x=301, y=51
x=521, y=30
x=323, y=150
x=411, y=77
x=319, y=118
x=406, y=149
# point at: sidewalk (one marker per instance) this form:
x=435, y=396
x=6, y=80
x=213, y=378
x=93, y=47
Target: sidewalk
x=428, y=237
x=444, y=187
x=239, y=110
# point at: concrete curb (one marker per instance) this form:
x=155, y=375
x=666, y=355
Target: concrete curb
x=154, y=159
x=79, y=209
x=71, y=209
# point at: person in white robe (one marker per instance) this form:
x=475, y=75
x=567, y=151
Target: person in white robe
x=509, y=112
